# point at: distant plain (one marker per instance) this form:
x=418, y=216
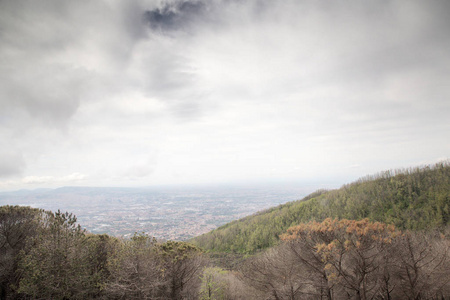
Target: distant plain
x=175, y=213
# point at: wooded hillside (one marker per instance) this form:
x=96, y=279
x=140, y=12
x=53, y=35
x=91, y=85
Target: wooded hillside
x=347, y=255
x=416, y=198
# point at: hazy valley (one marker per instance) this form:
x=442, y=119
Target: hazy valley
x=165, y=213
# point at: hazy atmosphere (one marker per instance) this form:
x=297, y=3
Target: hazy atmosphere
x=142, y=93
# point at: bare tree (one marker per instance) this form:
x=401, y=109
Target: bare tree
x=313, y=267
x=219, y=284
x=135, y=272
x=237, y=289
x=277, y=274
x=423, y=266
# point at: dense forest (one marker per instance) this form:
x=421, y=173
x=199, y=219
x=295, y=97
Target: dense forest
x=383, y=237
x=413, y=199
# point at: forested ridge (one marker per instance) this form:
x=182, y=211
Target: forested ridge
x=313, y=254
x=415, y=199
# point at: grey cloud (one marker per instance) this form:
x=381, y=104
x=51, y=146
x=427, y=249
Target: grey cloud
x=175, y=15
x=48, y=94
x=51, y=179
x=187, y=110
x=34, y=85
x=189, y=15
x=11, y=163
x=55, y=55
x=350, y=73
x=355, y=46
x=140, y=169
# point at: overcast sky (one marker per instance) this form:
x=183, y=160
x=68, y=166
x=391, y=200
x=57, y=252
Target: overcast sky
x=141, y=93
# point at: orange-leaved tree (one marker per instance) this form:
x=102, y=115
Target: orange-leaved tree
x=350, y=258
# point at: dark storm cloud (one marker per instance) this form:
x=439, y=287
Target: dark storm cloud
x=175, y=16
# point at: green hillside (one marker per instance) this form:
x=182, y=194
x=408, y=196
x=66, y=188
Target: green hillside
x=417, y=198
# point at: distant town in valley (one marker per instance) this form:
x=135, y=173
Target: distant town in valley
x=165, y=213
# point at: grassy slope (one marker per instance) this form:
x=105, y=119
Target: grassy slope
x=414, y=199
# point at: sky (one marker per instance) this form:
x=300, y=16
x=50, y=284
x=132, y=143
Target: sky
x=143, y=93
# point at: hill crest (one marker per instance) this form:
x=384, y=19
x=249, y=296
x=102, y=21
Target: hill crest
x=415, y=198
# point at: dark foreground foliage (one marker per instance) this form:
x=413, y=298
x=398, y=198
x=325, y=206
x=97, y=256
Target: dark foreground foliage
x=46, y=255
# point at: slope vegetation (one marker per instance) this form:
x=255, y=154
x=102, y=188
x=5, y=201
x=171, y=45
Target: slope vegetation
x=414, y=199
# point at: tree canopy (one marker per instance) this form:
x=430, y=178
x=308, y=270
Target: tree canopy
x=414, y=199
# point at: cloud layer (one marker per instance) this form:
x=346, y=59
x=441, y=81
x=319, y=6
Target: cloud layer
x=147, y=92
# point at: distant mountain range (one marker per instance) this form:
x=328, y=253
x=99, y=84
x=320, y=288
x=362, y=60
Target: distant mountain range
x=416, y=198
